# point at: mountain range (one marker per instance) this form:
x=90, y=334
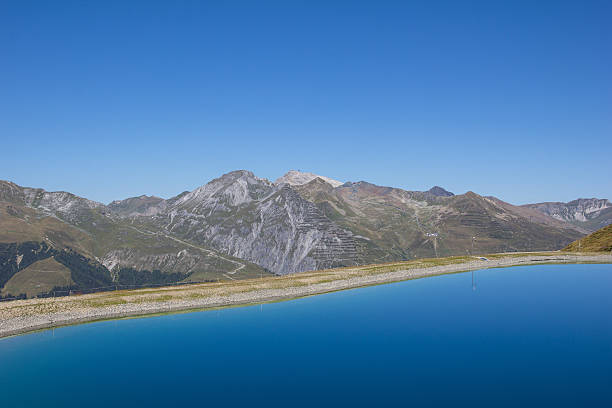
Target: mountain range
x=589, y=213
x=241, y=226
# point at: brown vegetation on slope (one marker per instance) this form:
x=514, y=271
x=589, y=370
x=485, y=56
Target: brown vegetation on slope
x=599, y=241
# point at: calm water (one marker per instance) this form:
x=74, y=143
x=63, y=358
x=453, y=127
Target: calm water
x=531, y=335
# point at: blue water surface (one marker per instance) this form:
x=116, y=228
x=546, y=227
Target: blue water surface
x=525, y=336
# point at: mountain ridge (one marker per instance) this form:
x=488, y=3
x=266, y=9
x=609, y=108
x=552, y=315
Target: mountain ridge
x=589, y=213
x=239, y=225
x=296, y=178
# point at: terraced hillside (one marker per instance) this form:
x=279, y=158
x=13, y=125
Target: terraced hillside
x=394, y=224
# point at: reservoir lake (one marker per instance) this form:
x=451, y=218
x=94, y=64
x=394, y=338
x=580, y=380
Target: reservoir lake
x=521, y=336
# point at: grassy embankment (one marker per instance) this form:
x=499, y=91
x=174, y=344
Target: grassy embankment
x=224, y=289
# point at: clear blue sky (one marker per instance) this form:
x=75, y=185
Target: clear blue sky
x=114, y=99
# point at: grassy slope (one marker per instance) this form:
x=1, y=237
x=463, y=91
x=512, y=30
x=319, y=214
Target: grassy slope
x=21, y=224
x=40, y=277
x=599, y=241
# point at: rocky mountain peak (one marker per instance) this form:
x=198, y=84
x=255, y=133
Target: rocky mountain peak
x=318, y=184
x=136, y=206
x=298, y=178
x=237, y=174
x=439, y=192
x=11, y=192
x=231, y=189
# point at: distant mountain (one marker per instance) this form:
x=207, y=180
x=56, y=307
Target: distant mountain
x=392, y=224
x=439, y=192
x=93, y=239
x=253, y=219
x=142, y=205
x=298, y=178
x=242, y=226
x=588, y=213
x=599, y=241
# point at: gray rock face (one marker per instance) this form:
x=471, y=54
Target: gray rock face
x=592, y=213
x=253, y=219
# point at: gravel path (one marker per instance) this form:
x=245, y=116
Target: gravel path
x=34, y=314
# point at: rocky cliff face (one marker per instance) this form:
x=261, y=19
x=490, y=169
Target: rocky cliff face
x=268, y=224
x=590, y=213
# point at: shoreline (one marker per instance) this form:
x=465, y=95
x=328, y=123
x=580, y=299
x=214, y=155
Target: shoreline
x=23, y=316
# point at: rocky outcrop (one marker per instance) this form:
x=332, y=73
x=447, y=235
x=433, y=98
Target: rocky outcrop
x=268, y=224
x=591, y=213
